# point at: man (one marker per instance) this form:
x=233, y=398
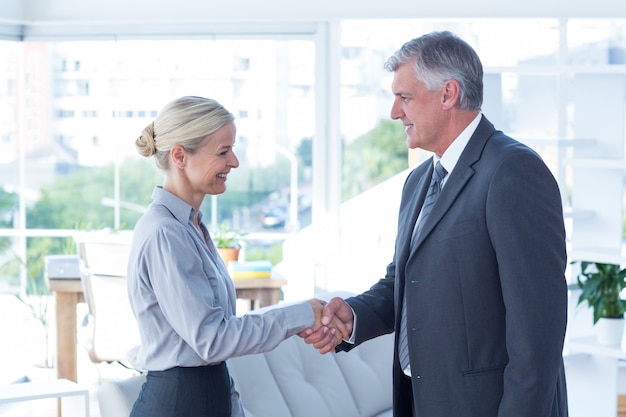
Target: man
x=482, y=279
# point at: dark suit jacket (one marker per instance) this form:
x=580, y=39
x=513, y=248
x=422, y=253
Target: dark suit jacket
x=485, y=286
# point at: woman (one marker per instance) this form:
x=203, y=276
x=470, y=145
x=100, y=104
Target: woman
x=179, y=289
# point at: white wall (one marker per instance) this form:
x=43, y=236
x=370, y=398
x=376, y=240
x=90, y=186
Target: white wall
x=11, y=10
x=67, y=11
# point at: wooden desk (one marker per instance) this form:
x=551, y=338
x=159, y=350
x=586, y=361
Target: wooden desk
x=261, y=292
x=69, y=292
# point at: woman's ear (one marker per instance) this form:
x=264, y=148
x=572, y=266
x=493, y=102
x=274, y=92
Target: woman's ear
x=178, y=156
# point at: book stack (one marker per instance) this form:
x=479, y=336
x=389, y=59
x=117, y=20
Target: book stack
x=250, y=269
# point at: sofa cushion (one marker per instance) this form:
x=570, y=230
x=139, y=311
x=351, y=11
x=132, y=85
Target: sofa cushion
x=295, y=380
x=116, y=397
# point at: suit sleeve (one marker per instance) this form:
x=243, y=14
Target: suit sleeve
x=525, y=224
x=374, y=309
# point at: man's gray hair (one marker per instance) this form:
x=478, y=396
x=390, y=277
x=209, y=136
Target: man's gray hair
x=442, y=56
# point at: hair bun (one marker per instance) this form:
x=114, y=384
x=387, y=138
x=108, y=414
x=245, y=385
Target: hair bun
x=146, y=144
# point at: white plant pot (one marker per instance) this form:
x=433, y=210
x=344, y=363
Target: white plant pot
x=609, y=332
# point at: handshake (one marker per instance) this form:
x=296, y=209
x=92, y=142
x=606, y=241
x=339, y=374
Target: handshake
x=334, y=322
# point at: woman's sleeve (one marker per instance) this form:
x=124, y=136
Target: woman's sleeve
x=194, y=302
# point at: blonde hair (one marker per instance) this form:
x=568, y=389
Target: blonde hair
x=185, y=121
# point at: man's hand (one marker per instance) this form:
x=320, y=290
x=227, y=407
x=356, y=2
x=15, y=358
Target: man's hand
x=330, y=333
x=335, y=324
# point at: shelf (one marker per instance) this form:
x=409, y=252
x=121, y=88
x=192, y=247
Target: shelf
x=588, y=345
x=597, y=255
x=602, y=163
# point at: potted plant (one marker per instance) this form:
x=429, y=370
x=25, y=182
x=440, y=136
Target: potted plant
x=601, y=285
x=227, y=241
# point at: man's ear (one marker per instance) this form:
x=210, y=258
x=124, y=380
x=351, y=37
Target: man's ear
x=178, y=156
x=450, y=94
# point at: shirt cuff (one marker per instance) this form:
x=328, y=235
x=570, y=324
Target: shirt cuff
x=352, y=339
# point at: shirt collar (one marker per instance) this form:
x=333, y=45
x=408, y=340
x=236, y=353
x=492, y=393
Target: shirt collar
x=182, y=211
x=451, y=156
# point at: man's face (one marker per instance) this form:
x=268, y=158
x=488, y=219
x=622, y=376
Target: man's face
x=420, y=110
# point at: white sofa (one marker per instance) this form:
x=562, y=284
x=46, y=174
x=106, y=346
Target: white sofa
x=294, y=380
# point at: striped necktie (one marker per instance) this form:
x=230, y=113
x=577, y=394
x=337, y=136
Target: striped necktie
x=431, y=197
x=434, y=190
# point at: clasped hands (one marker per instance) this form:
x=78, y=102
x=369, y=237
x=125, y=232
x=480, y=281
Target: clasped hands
x=334, y=323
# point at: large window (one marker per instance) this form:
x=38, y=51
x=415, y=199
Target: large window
x=70, y=111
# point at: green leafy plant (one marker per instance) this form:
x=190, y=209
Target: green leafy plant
x=601, y=285
x=225, y=237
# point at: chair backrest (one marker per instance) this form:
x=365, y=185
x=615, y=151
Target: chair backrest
x=112, y=329
x=104, y=253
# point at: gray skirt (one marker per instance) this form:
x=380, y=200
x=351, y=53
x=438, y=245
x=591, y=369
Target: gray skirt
x=185, y=392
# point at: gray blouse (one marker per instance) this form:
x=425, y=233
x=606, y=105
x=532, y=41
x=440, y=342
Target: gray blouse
x=184, y=299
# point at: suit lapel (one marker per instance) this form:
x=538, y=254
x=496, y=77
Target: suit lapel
x=416, y=192
x=455, y=183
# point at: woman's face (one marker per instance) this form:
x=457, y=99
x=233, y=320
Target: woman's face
x=208, y=168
